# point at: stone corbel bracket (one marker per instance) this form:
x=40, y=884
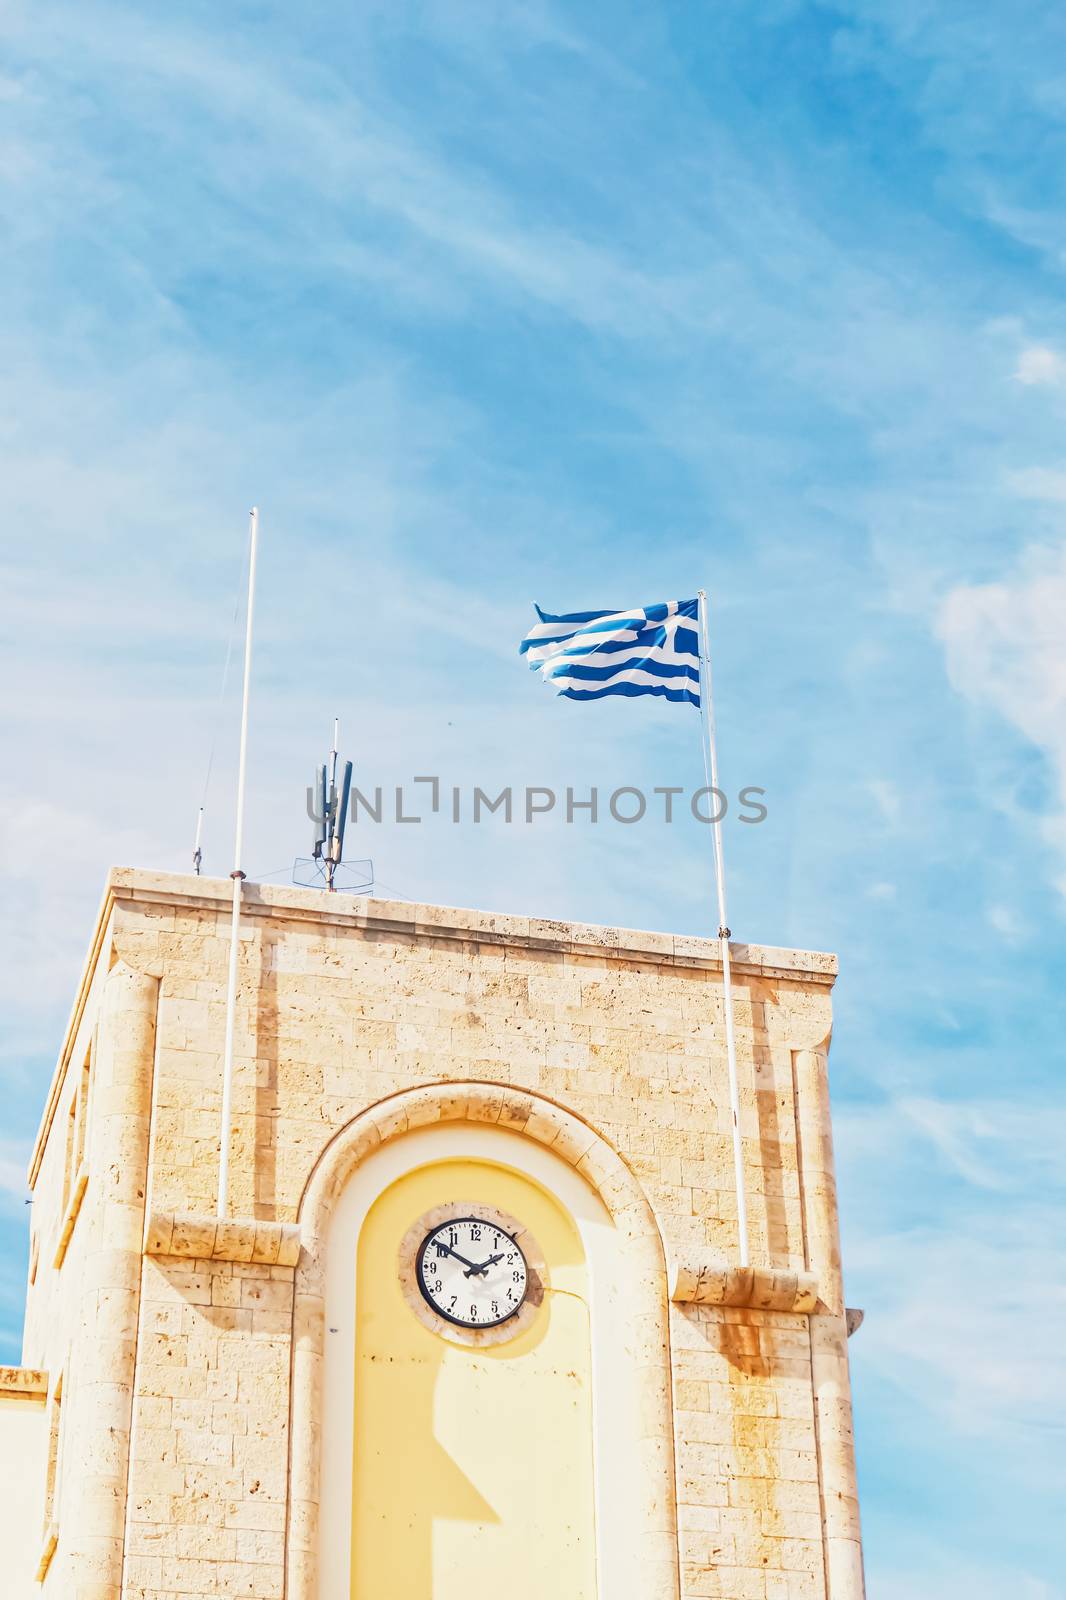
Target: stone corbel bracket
x=756, y=1288
x=23, y=1383
x=182, y=1233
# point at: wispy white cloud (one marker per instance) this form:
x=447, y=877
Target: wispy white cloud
x=997, y=1145
x=886, y=798
x=967, y=1301
x=14, y=1159
x=1006, y=652
x=1039, y=483
x=344, y=157
x=948, y=1317
x=917, y=1568
x=1040, y=365
x=1007, y=922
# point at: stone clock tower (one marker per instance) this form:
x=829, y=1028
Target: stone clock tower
x=475, y=1328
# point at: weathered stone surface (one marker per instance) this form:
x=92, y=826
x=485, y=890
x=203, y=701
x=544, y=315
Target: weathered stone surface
x=23, y=1383
x=200, y=1237
x=762, y=1288
x=192, y=1341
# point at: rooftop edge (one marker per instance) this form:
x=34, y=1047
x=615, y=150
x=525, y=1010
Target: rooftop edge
x=126, y=884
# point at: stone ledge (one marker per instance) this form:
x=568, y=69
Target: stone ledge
x=757, y=1288
x=205, y=1238
x=407, y=919
x=23, y=1383
x=48, y=1550
x=67, y=1229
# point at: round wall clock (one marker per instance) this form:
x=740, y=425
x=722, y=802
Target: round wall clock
x=472, y=1273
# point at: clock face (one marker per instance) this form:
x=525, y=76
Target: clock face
x=472, y=1273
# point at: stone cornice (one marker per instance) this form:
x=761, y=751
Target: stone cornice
x=714, y=1283
x=23, y=1383
x=409, y=920
x=205, y=1238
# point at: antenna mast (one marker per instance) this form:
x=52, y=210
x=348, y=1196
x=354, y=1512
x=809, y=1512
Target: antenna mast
x=329, y=814
x=330, y=863
x=238, y=878
x=197, y=853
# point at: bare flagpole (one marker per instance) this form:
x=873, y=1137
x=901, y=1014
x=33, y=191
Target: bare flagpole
x=238, y=878
x=710, y=761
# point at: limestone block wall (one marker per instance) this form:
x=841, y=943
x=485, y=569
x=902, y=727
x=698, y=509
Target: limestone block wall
x=179, y=1398
x=209, y=1454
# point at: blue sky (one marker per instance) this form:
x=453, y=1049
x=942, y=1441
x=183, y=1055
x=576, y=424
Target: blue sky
x=486, y=303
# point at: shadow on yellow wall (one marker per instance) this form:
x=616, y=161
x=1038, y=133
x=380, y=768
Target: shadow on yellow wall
x=473, y=1467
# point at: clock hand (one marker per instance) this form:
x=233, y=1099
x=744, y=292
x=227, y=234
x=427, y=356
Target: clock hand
x=485, y=1265
x=471, y=1264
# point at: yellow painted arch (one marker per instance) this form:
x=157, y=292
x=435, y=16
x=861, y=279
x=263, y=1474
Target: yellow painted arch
x=473, y=1470
x=649, y=1534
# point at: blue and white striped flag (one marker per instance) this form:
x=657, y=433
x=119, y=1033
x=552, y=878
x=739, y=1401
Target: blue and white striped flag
x=591, y=654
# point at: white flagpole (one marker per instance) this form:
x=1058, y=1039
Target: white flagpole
x=710, y=761
x=238, y=878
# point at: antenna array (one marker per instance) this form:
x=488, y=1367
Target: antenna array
x=327, y=806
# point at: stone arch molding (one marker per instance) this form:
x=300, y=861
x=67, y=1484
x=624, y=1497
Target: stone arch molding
x=532, y=1116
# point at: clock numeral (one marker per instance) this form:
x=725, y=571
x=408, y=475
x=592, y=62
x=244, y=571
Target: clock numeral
x=495, y=1308
x=453, y=1237
x=453, y=1303
x=473, y=1312
x=475, y=1231
x=441, y=1249
x=517, y=1276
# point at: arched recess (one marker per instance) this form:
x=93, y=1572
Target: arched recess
x=639, y=1317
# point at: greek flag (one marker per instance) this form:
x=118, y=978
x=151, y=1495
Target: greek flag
x=591, y=654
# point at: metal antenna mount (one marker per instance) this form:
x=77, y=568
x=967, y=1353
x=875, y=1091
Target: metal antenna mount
x=327, y=806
